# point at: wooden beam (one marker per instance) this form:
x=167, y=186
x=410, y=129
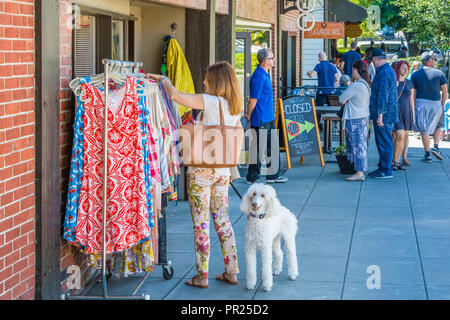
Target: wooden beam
x=200, y=41
x=103, y=38
x=47, y=139
x=226, y=35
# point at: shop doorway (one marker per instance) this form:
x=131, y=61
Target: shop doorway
x=289, y=70
x=244, y=64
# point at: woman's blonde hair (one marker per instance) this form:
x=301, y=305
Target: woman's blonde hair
x=415, y=65
x=222, y=82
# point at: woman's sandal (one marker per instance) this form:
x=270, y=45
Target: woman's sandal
x=193, y=284
x=223, y=277
x=406, y=162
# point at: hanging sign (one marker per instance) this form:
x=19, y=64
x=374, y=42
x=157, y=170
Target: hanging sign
x=353, y=30
x=326, y=30
x=297, y=121
x=301, y=24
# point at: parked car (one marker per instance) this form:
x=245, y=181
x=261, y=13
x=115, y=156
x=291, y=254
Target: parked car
x=393, y=46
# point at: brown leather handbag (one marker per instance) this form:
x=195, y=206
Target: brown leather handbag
x=211, y=146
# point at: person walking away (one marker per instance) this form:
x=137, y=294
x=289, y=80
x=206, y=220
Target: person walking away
x=416, y=65
x=261, y=114
x=383, y=47
x=358, y=49
x=334, y=63
x=327, y=77
x=429, y=106
x=403, y=53
x=348, y=59
x=208, y=187
x=447, y=120
x=383, y=112
x=356, y=119
x=405, y=116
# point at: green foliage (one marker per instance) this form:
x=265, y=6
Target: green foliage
x=428, y=20
x=341, y=150
x=410, y=60
x=240, y=63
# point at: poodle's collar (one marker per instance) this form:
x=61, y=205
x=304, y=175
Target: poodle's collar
x=259, y=216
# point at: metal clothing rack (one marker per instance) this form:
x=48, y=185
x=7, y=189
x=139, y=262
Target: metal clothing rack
x=126, y=67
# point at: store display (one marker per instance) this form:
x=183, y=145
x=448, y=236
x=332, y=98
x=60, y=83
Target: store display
x=143, y=161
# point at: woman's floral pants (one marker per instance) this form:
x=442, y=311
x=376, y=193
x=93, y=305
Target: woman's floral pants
x=209, y=191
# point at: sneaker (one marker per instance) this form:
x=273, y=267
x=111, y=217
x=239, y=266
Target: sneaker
x=380, y=175
x=437, y=153
x=252, y=182
x=280, y=179
x=356, y=177
x=427, y=158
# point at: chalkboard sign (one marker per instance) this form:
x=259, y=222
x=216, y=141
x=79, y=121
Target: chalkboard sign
x=296, y=118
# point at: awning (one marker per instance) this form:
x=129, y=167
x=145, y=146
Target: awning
x=346, y=11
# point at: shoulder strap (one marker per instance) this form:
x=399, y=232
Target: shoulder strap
x=222, y=121
x=403, y=88
x=367, y=86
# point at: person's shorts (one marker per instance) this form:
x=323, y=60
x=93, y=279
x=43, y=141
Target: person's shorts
x=441, y=123
x=428, y=115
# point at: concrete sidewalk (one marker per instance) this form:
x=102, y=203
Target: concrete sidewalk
x=400, y=225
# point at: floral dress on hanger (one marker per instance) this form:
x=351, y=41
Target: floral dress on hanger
x=127, y=206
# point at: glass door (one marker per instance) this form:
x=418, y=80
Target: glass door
x=289, y=64
x=244, y=64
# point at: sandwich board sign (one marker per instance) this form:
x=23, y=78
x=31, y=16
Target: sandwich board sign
x=296, y=118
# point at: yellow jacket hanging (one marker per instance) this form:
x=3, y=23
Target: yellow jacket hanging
x=180, y=75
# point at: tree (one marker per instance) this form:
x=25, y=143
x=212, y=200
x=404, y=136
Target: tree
x=427, y=20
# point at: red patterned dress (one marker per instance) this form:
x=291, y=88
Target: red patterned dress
x=127, y=213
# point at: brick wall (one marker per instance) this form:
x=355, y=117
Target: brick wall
x=258, y=10
x=70, y=255
x=66, y=113
x=194, y=4
x=17, y=160
x=222, y=6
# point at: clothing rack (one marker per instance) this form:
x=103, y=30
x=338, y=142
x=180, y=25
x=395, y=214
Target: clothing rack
x=122, y=67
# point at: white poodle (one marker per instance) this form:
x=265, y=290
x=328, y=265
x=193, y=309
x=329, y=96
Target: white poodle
x=268, y=221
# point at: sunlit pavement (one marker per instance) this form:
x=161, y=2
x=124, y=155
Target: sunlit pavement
x=377, y=239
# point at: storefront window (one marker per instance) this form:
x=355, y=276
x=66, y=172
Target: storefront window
x=117, y=40
x=84, y=46
x=259, y=39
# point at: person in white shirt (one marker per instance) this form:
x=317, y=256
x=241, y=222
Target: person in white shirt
x=356, y=119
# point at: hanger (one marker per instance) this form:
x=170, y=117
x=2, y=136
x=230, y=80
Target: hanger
x=119, y=71
x=173, y=27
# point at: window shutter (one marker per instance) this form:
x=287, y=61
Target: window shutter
x=84, y=48
x=104, y=40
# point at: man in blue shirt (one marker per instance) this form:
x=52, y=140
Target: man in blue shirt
x=261, y=113
x=327, y=76
x=348, y=59
x=383, y=112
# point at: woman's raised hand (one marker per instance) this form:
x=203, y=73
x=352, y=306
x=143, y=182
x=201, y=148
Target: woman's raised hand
x=152, y=76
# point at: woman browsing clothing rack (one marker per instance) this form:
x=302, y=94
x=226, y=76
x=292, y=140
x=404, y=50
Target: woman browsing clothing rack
x=208, y=187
